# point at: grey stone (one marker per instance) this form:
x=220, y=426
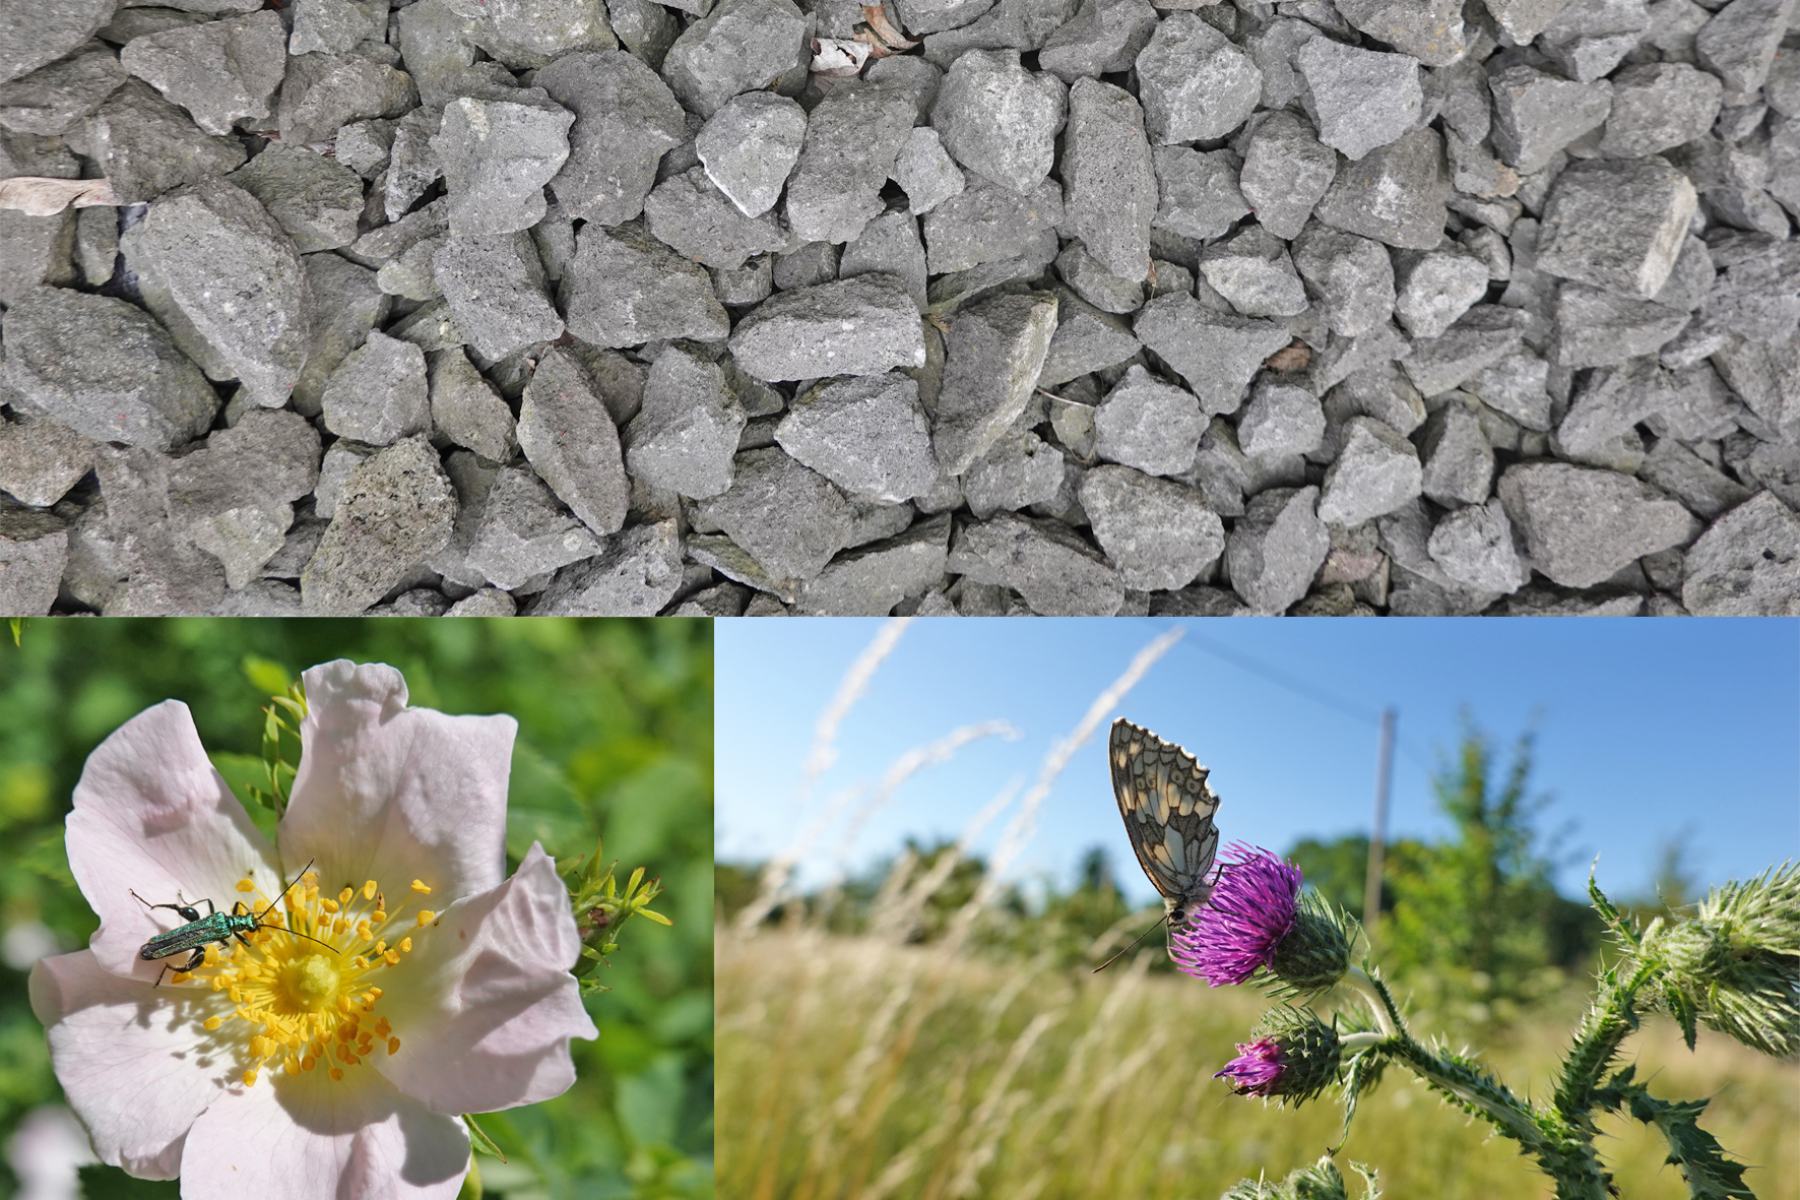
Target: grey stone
x=1276, y=548
x=1109, y=185
x=1103, y=37
x=684, y=436
x=465, y=409
x=1359, y=99
x=870, y=581
x=316, y=200
x=1459, y=462
x=921, y=17
x=1095, y=284
x=1589, y=37
x=343, y=458
x=321, y=93
x=1376, y=471
x=147, y=146
x=412, y=275
x=1254, y=273
x=860, y=326
x=689, y=214
x=1000, y=120
x=1431, y=32
x=1616, y=224
x=1473, y=546
x=531, y=33
x=645, y=28
x=1157, y=533
x=416, y=602
x=1350, y=277
x=995, y=350
x=395, y=511
x=1056, y=573
x=925, y=170
x=40, y=460
x=412, y=162
x=1656, y=106
x=1436, y=289
x=909, y=74
x=494, y=286
x=378, y=393
x=1537, y=114
x=853, y=139
x=1216, y=353
x=1018, y=471
x=220, y=72
x=750, y=146
x=31, y=567
x=497, y=156
x=1581, y=525
x=1597, y=328
x=572, y=443
x=626, y=288
x=162, y=572
x=1756, y=298
x=384, y=244
x=488, y=602
x=1193, y=83
x=1515, y=386
x=52, y=99
x=1281, y=420
x=343, y=302
x=987, y=223
x=790, y=519
x=243, y=540
x=1198, y=192
x=104, y=369
x=1272, y=48
x=509, y=528
x=1747, y=563
x=1286, y=172
x=1483, y=336
x=740, y=46
x=636, y=575
x=434, y=42
x=869, y=435
x=1148, y=424
x=890, y=243
x=1740, y=43
x=1395, y=194
x=256, y=329
x=335, y=26
x=1010, y=24
x=1086, y=339
x=808, y=266
x=626, y=119
x=749, y=284
x=1677, y=470
x=42, y=31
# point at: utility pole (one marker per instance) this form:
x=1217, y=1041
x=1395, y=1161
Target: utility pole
x=1384, y=764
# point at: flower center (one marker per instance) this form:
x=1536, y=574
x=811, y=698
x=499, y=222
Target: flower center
x=299, y=973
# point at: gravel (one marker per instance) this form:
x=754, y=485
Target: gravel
x=1065, y=307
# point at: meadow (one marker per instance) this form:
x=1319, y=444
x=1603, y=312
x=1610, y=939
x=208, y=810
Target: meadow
x=862, y=1068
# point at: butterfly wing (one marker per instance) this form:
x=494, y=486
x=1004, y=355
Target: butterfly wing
x=1168, y=810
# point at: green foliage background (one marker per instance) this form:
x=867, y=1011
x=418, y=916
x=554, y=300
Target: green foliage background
x=615, y=738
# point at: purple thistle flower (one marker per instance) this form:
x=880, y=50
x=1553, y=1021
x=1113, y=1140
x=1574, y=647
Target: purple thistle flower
x=1256, y=1070
x=1252, y=909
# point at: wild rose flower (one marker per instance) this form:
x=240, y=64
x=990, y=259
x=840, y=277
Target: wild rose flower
x=1258, y=918
x=1295, y=1057
x=287, y=1067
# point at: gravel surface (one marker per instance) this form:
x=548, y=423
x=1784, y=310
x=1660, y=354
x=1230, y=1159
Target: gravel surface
x=980, y=307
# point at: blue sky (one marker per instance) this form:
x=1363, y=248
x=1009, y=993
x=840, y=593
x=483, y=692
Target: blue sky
x=1648, y=730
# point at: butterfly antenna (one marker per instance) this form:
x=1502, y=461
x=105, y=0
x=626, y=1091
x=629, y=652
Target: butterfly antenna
x=1140, y=937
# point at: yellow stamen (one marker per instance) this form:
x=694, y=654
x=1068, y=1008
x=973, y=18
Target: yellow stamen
x=406, y=945
x=180, y=977
x=336, y=1073
x=328, y=904
x=250, y=1077
x=369, y=890
x=393, y=1045
x=308, y=1062
x=212, y=1023
x=246, y=885
x=292, y=1065
x=426, y=917
x=418, y=885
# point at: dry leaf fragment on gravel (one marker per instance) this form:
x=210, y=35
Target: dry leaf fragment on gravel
x=42, y=196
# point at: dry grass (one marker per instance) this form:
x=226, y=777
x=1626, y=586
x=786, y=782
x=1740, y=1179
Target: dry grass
x=854, y=1068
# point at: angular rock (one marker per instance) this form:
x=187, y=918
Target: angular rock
x=790, y=519
x=1018, y=471
x=1459, y=462
x=1286, y=172
x=925, y=171
x=1395, y=195
x=1216, y=353
x=104, y=369
x=396, y=510
x=860, y=326
x=890, y=243
x=494, y=286
x=1483, y=336
x=497, y=156
x=853, y=139
x=1616, y=225
x=1596, y=328
x=42, y=31
x=626, y=288
x=161, y=571
x=219, y=270
x=52, y=99
x=343, y=302
x=220, y=72
x=1157, y=533
x=317, y=201
x=1707, y=491
x=626, y=119
x=1537, y=114
x=323, y=92
x=1000, y=120
x=335, y=26
x=465, y=409
x=683, y=438
x=1104, y=37
x=1281, y=420
x=870, y=581
x=1589, y=37
x=750, y=146
x=488, y=602
x=1359, y=99
x=1198, y=193
x=1436, y=289
x=1193, y=83
x=696, y=219
x=1276, y=548
x=1148, y=424
x=1055, y=572
x=147, y=146
x=378, y=393
x=510, y=529
x=532, y=33
x=1431, y=32
x=868, y=435
x=1109, y=185
x=987, y=223
x=1086, y=339
x=994, y=352
x=1740, y=42
x=636, y=575
x=1515, y=386
x=30, y=571
x=40, y=460
x=1351, y=278
x=742, y=45
x=808, y=266
x=572, y=443
x=1254, y=274
x=1656, y=106
x=1581, y=525
x=1747, y=564
x=1376, y=471
x=1473, y=546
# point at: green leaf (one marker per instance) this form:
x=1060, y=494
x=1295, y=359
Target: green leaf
x=269, y=678
x=18, y=624
x=650, y=1101
x=246, y=776
x=110, y=1183
x=481, y=1141
x=1709, y=1174
x=542, y=806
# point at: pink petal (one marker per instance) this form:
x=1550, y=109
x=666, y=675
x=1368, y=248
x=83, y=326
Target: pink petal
x=304, y=1137
x=395, y=794
x=485, y=1006
x=135, y=1069
x=152, y=815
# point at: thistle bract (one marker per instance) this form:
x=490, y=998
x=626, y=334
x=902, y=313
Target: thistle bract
x=1295, y=1057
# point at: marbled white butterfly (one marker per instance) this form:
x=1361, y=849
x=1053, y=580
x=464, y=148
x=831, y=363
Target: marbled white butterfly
x=1168, y=811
